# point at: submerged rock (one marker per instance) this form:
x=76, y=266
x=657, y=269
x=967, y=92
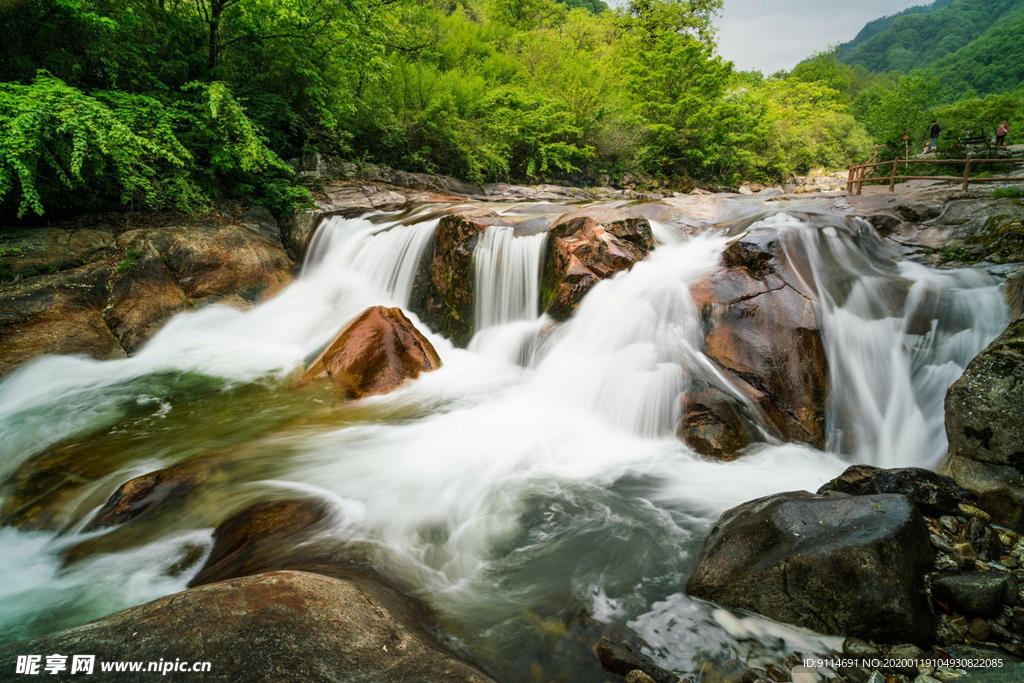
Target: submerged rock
x=586, y=247
x=836, y=564
x=145, y=493
x=258, y=539
x=268, y=628
x=375, y=354
x=985, y=432
x=620, y=659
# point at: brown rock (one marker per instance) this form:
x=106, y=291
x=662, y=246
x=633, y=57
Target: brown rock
x=61, y=313
x=444, y=294
x=144, y=296
x=586, y=247
x=764, y=330
x=211, y=263
x=375, y=354
x=34, y=251
x=258, y=539
x=282, y=626
x=142, y=494
x=715, y=423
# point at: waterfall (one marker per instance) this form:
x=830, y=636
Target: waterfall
x=536, y=473
x=387, y=254
x=507, y=276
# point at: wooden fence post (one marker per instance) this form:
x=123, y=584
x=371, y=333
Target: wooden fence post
x=967, y=172
x=892, y=175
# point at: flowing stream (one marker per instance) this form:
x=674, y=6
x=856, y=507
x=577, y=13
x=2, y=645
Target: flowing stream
x=531, y=484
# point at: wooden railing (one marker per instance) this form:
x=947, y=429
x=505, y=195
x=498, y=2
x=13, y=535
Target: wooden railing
x=860, y=173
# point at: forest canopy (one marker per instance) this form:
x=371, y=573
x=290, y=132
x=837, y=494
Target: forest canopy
x=172, y=104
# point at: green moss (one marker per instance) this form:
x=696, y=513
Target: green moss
x=1008, y=193
x=130, y=257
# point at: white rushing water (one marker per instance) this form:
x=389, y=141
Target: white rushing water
x=539, y=467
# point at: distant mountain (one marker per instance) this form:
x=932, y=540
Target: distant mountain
x=873, y=28
x=973, y=45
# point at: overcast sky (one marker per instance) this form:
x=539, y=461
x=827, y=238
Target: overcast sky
x=769, y=35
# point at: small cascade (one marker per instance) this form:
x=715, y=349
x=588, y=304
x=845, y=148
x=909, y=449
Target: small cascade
x=630, y=348
x=897, y=335
x=507, y=276
x=386, y=254
x=507, y=296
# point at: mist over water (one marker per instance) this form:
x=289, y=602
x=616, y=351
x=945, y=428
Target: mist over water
x=536, y=474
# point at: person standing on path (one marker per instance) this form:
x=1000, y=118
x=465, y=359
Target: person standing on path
x=1001, y=134
x=933, y=137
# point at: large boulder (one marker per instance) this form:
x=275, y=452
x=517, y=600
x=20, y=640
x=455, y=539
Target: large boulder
x=268, y=628
x=840, y=565
x=985, y=432
x=586, y=247
x=375, y=354
x=58, y=313
x=233, y=264
x=107, y=308
x=764, y=330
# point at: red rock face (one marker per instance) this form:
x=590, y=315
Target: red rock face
x=585, y=248
x=375, y=354
x=763, y=329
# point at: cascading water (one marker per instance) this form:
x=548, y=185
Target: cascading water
x=506, y=489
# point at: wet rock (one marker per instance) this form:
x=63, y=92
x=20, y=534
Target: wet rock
x=983, y=427
x=269, y=628
x=444, y=294
x=585, y=248
x=763, y=329
x=60, y=313
x=142, y=494
x=933, y=494
x=621, y=659
x=975, y=594
x=375, y=354
x=979, y=630
x=258, y=539
x=860, y=649
x=36, y=251
x=838, y=565
x=1000, y=488
x=715, y=423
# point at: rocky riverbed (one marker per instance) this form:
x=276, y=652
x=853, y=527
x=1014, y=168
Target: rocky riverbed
x=909, y=566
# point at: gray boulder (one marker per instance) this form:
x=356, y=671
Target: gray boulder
x=841, y=565
x=985, y=432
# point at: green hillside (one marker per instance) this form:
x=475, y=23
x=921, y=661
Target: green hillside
x=993, y=63
x=971, y=44
x=876, y=26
